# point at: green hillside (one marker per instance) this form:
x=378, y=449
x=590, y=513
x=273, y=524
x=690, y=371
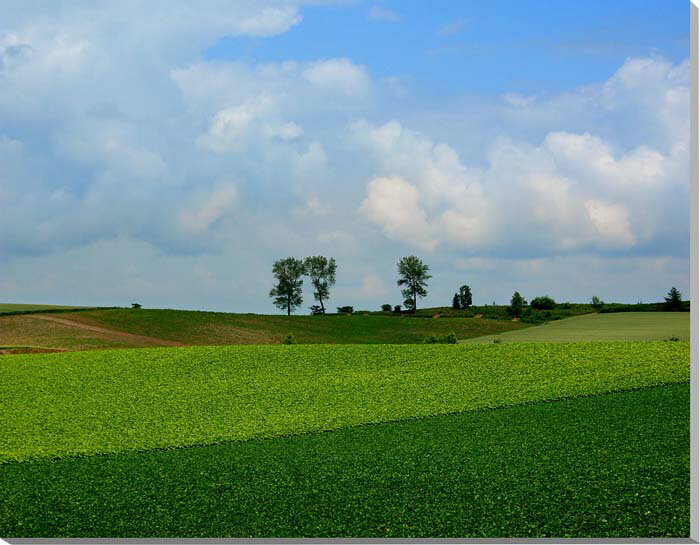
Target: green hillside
x=624, y=326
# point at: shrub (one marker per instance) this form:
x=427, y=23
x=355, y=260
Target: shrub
x=386, y=307
x=397, y=309
x=289, y=339
x=135, y=305
x=345, y=310
x=316, y=310
x=543, y=302
x=596, y=302
x=431, y=339
x=451, y=338
x=516, y=305
x=497, y=341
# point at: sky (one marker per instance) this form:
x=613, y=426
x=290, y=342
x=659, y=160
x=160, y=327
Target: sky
x=168, y=152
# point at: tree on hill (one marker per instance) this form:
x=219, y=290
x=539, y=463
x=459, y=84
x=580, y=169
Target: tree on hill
x=673, y=299
x=516, y=304
x=465, y=297
x=287, y=292
x=321, y=271
x=455, y=302
x=413, y=274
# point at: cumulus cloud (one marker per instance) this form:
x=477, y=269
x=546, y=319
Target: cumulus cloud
x=570, y=192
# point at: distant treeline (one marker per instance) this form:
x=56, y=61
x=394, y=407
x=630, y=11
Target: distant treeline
x=51, y=310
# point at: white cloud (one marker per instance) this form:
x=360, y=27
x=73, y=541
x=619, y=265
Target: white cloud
x=211, y=210
x=394, y=204
x=339, y=76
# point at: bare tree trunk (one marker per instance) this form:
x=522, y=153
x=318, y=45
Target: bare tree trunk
x=289, y=307
x=323, y=309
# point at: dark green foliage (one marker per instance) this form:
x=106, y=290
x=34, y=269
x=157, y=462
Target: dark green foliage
x=135, y=305
x=413, y=274
x=345, y=310
x=289, y=339
x=641, y=307
x=516, y=305
x=455, y=302
x=596, y=302
x=465, y=297
x=615, y=465
x=287, y=292
x=397, y=309
x=321, y=271
x=386, y=307
x=673, y=299
x=543, y=303
x=316, y=310
x=450, y=338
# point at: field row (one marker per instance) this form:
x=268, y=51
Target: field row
x=81, y=403
x=615, y=465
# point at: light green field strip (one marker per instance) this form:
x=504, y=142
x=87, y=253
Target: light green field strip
x=13, y=307
x=118, y=400
x=622, y=326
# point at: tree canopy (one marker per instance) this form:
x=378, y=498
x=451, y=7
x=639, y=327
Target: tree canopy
x=413, y=274
x=287, y=292
x=321, y=271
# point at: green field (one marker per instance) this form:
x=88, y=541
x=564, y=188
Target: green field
x=11, y=307
x=624, y=326
x=115, y=400
x=615, y=465
x=219, y=328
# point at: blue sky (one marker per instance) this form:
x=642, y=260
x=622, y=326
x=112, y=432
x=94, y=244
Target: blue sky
x=168, y=153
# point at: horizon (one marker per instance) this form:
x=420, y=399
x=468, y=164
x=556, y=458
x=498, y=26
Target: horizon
x=546, y=151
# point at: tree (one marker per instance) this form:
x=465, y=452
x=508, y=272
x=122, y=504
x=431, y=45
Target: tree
x=465, y=297
x=516, y=304
x=544, y=302
x=386, y=307
x=455, y=302
x=287, y=293
x=413, y=274
x=596, y=302
x=673, y=299
x=321, y=271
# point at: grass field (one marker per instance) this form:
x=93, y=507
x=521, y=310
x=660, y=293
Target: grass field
x=218, y=328
x=615, y=465
x=95, y=402
x=12, y=307
x=625, y=326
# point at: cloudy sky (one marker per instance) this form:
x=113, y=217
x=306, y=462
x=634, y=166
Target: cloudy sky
x=166, y=152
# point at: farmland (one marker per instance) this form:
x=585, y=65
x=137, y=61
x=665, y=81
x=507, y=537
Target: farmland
x=219, y=328
x=624, y=326
x=521, y=439
x=613, y=465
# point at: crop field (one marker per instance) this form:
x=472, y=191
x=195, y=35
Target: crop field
x=614, y=465
x=218, y=328
x=624, y=326
x=96, y=402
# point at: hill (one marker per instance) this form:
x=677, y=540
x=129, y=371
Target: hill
x=219, y=328
x=624, y=326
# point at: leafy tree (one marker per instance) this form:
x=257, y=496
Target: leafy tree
x=543, y=303
x=455, y=302
x=345, y=310
x=516, y=305
x=465, y=297
x=397, y=309
x=386, y=307
x=413, y=274
x=321, y=271
x=287, y=293
x=316, y=310
x=673, y=299
x=596, y=301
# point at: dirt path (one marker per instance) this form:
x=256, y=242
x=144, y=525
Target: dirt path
x=111, y=332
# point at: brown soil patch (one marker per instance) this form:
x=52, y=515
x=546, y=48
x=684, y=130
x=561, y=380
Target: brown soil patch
x=110, y=332
x=28, y=350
